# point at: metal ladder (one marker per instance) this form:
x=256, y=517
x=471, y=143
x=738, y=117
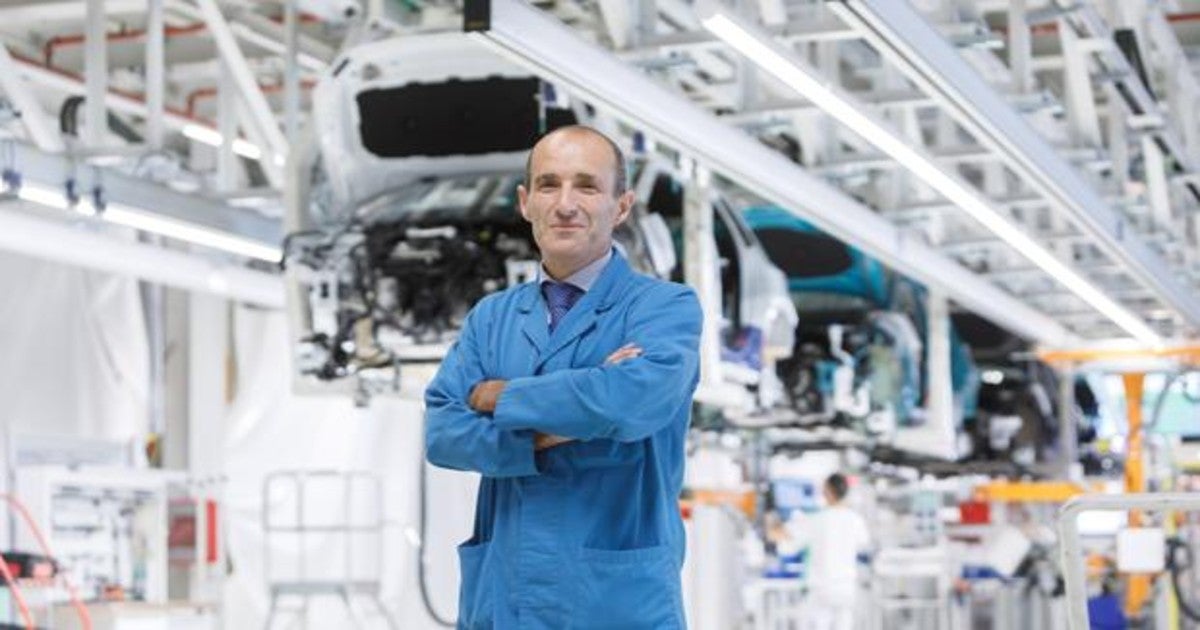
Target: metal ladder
x=301, y=584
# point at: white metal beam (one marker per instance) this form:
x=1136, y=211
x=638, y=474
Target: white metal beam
x=51, y=171
x=617, y=16
x=902, y=34
x=291, y=71
x=118, y=102
x=1020, y=47
x=272, y=165
x=41, y=129
x=96, y=76
x=261, y=115
x=936, y=437
x=1157, y=189
x=552, y=50
x=227, y=126
x=155, y=65
x=17, y=14
x=1081, y=99
x=852, y=114
x=23, y=233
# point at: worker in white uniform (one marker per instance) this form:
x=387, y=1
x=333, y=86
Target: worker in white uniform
x=834, y=537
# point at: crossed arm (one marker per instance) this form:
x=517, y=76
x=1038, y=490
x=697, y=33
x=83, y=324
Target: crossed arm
x=494, y=427
x=485, y=395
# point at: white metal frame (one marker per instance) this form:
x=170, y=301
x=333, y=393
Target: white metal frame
x=899, y=32
x=1068, y=536
x=552, y=50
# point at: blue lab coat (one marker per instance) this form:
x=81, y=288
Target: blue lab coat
x=586, y=534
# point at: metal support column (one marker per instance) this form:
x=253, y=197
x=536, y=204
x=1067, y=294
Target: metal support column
x=700, y=266
x=96, y=75
x=41, y=128
x=155, y=63
x=939, y=401
x=231, y=56
x=1068, y=435
x=1072, y=552
x=291, y=73
x=1082, y=117
x=227, y=119
x=1020, y=47
x=1157, y=188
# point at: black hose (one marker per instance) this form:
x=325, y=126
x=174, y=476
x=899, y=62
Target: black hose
x=425, y=599
x=1174, y=546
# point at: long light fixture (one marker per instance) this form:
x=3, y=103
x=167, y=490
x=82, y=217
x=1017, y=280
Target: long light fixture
x=904, y=37
x=129, y=216
x=213, y=138
x=26, y=234
x=846, y=109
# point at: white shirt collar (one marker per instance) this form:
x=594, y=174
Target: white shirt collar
x=585, y=277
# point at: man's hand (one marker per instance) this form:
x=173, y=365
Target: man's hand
x=485, y=395
x=625, y=352
x=542, y=441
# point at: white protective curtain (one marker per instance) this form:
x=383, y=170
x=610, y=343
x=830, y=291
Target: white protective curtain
x=272, y=429
x=75, y=356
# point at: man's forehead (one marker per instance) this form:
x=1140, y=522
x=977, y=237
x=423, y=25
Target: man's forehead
x=579, y=175
x=573, y=141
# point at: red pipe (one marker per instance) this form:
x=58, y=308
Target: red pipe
x=1051, y=28
x=74, y=40
x=123, y=93
x=208, y=92
x=168, y=32
x=85, y=619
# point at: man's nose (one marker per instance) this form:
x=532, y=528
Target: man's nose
x=568, y=202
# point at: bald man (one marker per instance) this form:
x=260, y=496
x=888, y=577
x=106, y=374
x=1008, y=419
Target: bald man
x=571, y=396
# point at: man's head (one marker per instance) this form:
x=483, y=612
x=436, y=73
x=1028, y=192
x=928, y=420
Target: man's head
x=574, y=196
x=836, y=488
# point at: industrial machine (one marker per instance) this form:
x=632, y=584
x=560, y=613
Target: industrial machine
x=404, y=213
x=861, y=344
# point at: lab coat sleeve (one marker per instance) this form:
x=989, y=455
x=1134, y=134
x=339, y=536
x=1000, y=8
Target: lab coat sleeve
x=630, y=400
x=457, y=436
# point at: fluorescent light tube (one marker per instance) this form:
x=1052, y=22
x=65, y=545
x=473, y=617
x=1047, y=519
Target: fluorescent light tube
x=150, y=222
x=796, y=74
x=190, y=232
x=43, y=196
x=213, y=138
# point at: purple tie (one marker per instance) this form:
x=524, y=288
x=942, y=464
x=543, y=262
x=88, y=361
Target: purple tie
x=560, y=297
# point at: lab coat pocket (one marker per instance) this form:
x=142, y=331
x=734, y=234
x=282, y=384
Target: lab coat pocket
x=629, y=588
x=475, y=590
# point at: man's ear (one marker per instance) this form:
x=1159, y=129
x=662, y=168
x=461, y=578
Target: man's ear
x=522, y=200
x=624, y=206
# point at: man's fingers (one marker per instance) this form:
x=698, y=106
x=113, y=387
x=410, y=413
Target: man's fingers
x=544, y=440
x=628, y=351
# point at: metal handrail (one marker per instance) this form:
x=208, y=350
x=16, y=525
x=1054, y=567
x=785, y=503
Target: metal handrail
x=1068, y=536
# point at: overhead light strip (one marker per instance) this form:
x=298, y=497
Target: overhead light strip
x=128, y=216
x=213, y=138
x=796, y=74
x=906, y=39
x=550, y=49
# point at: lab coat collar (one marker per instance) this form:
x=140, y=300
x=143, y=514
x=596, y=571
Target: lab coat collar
x=580, y=319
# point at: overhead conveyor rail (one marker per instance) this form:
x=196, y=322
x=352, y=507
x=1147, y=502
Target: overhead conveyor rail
x=903, y=35
x=553, y=51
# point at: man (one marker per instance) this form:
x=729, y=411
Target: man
x=571, y=396
x=834, y=537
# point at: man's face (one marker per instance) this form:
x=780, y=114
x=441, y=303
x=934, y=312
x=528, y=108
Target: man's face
x=570, y=201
